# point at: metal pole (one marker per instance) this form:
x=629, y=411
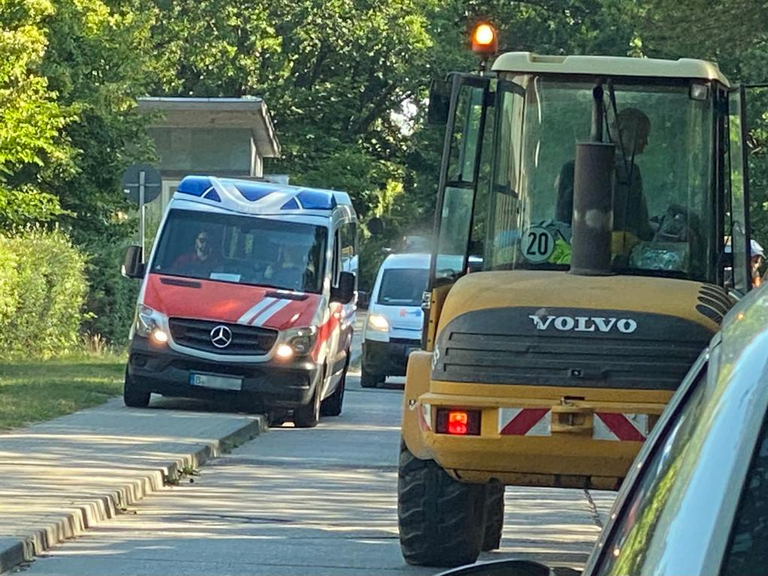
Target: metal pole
x=142, y=215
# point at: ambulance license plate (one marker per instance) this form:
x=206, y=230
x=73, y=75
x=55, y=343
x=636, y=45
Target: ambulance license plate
x=216, y=382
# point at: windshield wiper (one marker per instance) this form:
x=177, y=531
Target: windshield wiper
x=275, y=287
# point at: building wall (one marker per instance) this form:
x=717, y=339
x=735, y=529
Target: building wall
x=217, y=151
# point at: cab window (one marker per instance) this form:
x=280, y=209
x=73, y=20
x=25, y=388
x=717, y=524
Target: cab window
x=662, y=177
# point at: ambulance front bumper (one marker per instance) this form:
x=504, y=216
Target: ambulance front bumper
x=267, y=385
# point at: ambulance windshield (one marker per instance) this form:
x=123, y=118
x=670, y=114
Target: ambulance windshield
x=242, y=249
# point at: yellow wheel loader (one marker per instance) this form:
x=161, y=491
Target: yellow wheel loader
x=599, y=193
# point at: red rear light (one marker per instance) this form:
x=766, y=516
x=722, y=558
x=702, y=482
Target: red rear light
x=458, y=422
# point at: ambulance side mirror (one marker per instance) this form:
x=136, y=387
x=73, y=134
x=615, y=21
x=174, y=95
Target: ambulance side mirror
x=345, y=292
x=133, y=267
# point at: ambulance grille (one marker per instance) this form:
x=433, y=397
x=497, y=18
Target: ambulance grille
x=246, y=340
x=504, y=346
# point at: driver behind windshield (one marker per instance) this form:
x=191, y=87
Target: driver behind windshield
x=629, y=131
x=200, y=261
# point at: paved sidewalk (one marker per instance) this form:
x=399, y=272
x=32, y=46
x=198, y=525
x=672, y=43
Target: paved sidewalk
x=60, y=477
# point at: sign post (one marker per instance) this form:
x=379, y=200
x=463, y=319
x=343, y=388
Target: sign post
x=142, y=184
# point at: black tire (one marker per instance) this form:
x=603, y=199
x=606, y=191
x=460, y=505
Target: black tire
x=494, y=516
x=276, y=419
x=333, y=405
x=308, y=416
x=133, y=395
x=370, y=379
x=441, y=520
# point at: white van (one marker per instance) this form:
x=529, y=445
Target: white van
x=395, y=319
x=249, y=293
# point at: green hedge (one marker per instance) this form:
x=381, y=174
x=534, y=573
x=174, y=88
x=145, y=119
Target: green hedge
x=111, y=300
x=42, y=290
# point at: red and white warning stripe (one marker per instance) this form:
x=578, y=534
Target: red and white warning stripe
x=605, y=425
x=263, y=311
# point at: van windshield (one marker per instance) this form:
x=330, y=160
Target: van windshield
x=403, y=286
x=242, y=249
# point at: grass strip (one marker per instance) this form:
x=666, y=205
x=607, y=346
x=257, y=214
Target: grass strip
x=31, y=391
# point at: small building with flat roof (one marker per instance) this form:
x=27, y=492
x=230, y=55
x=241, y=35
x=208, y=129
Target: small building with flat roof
x=224, y=137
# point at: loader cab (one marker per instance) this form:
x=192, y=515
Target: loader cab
x=679, y=184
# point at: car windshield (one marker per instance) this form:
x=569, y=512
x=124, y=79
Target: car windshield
x=662, y=176
x=242, y=249
x=403, y=286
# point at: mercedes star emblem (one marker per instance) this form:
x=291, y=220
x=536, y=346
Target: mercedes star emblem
x=221, y=336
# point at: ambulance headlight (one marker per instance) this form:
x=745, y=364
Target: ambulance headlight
x=378, y=323
x=299, y=341
x=149, y=324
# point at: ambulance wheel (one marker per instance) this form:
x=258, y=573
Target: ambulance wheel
x=441, y=521
x=332, y=405
x=370, y=379
x=494, y=516
x=133, y=395
x=276, y=418
x=308, y=416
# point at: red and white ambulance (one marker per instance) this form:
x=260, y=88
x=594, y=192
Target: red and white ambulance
x=249, y=293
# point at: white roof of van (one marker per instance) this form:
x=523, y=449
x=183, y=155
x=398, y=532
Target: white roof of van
x=407, y=261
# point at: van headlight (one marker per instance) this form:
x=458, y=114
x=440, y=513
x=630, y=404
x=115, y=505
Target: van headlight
x=378, y=323
x=298, y=342
x=149, y=324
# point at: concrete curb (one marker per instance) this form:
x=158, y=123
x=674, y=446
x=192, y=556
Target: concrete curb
x=75, y=520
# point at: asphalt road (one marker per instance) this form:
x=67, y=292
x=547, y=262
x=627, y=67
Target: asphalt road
x=308, y=502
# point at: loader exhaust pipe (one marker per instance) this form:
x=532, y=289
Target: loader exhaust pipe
x=592, y=225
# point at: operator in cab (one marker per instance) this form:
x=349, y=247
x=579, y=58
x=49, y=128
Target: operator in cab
x=630, y=131
x=663, y=242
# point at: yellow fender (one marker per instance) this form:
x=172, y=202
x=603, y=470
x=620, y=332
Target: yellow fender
x=417, y=381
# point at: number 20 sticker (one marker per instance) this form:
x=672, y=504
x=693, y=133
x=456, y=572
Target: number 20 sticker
x=538, y=244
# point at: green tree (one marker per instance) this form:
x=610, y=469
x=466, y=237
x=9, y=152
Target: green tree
x=331, y=72
x=98, y=62
x=31, y=121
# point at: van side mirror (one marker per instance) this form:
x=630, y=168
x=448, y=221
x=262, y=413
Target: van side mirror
x=439, y=102
x=133, y=267
x=345, y=292
x=363, y=299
